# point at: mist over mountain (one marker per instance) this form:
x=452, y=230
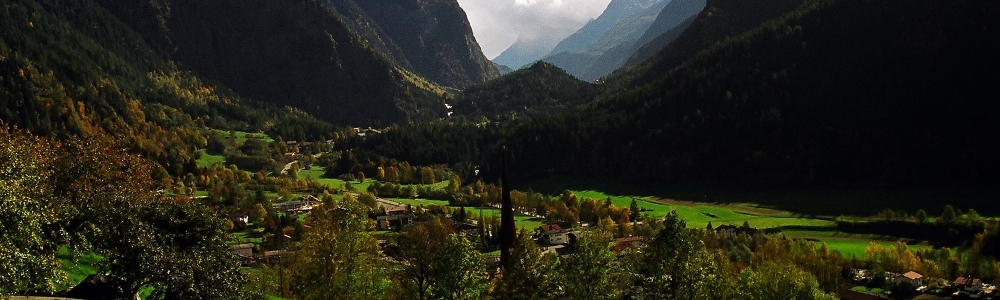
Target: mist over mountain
x=616, y=12
x=590, y=57
x=670, y=23
x=524, y=52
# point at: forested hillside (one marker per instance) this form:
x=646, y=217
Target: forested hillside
x=436, y=38
x=589, y=57
x=296, y=53
x=830, y=94
x=718, y=20
x=72, y=68
x=542, y=89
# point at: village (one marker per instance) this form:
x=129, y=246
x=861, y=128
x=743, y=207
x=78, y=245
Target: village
x=394, y=217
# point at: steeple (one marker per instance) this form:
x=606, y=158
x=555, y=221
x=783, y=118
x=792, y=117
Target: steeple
x=507, y=231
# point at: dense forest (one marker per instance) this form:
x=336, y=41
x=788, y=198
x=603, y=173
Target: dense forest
x=143, y=140
x=539, y=90
x=807, y=99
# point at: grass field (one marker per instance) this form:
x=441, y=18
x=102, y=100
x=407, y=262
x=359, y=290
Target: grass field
x=523, y=221
x=77, y=268
x=208, y=159
x=815, y=202
x=243, y=136
x=317, y=173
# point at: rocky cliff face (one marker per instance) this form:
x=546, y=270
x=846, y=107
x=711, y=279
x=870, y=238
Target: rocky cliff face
x=435, y=38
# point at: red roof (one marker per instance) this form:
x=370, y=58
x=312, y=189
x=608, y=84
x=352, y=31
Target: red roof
x=969, y=281
x=628, y=239
x=912, y=275
x=550, y=227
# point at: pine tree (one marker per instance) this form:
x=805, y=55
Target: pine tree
x=634, y=211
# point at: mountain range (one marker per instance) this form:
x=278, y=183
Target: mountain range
x=774, y=92
x=777, y=93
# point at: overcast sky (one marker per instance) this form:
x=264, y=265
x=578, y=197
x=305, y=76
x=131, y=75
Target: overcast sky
x=499, y=23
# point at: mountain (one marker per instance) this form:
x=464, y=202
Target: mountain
x=674, y=18
x=287, y=52
x=435, y=37
x=542, y=89
x=524, y=52
x=75, y=69
x=719, y=19
x=616, y=12
x=504, y=70
x=830, y=93
x=608, y=51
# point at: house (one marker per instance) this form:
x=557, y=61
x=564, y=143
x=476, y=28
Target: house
x=968, y=284
x=242, y=250
x=626, y=244
x=291, y=206
x=912, y=278
x=396, y=216
x=552, y=234
x=466, y=228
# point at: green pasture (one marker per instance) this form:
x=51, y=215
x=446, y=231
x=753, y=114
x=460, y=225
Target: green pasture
x=849, y=245
x=813, y=202
x=242, y=136
x=77, y=266
x=317, y=172
x=523, y=221
x=209, y=159
x=698, y=214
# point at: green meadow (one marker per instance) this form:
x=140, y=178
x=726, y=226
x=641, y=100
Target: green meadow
x=526, y=222
x=241, y=136
x=209, y=159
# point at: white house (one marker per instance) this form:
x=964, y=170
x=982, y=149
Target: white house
x=911, y=277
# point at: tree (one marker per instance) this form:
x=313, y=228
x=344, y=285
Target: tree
x=676, y=264
x=591, y=271
x=427, y=175
x=460, y=271
x=606, y=225
x=368, y=200
x=337, y=257
x=779, y=280
x=27, y=256
x=920, y=216
x=529, y=274
x=361, y=177
x=258, y=214
x=948, y=215
x=104, y=201
x=419, y=248
x=178, y=250
x=634, y=211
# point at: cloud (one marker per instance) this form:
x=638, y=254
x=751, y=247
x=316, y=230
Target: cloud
x=499, y=23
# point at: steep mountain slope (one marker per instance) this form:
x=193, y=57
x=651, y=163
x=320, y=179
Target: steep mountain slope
x=834, y=93
x=73, y=68
x=524, y=52
x=718, y=20
x=370, y=31
x=541, y=89
x=578, y=53
x=288, y=52
x=435, y=37
x=616, y=12
x=671, y=17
